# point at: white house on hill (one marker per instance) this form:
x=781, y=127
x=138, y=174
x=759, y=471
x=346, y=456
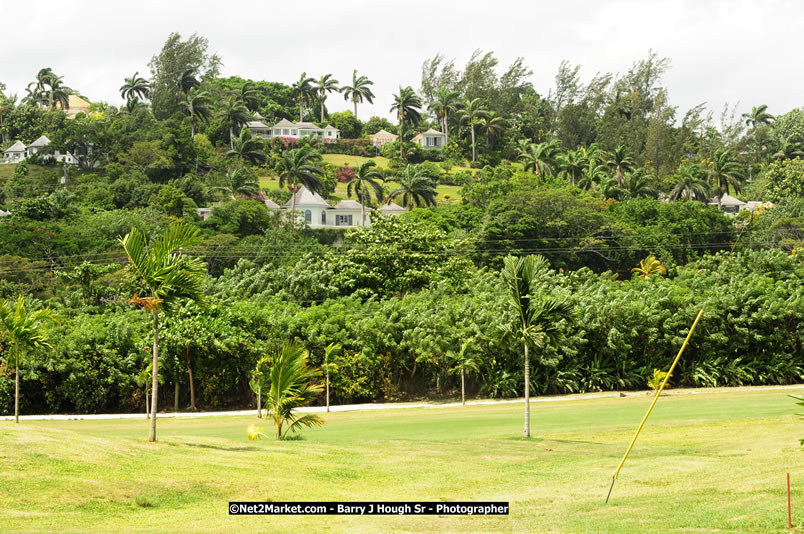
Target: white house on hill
x=292, y=130
x=430, y=139
x=318, y=213
x=18, y=152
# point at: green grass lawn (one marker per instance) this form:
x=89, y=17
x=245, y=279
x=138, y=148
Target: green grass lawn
x=454, y=191
x=704, y=463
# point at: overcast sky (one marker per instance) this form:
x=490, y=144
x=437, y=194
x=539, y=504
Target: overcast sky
x=722, y=51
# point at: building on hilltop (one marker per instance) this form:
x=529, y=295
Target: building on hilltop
x=382, y=138
x=19, y=152
x=430, y=139
x=292, y=130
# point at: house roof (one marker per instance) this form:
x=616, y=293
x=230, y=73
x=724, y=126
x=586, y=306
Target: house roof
x=4, y=213
x=726, y=200
x=76, y=101
x=257, y=116
x=383, y=133
x=285, y=123
x=270, y=204
x=349, y=205
x=305, y=125
x=329, y=127
x=305, y=197
x=392, y=207
x=16, y=147
x=42, y=141
x=432, y=132
x=257, y=124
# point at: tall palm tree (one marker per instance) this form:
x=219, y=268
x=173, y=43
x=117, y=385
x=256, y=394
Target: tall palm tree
x=364, y=184
x=291, y=388
x=406, y=105
x=135, y=87
x=492, y=126
x=540, y=158
x=58, y=94
x=759, y=116
x=247, y=149
x=302, y=90
x=416, y=187
x=690, y=184
x=234, y=114
x=166, y=276
x=23, y=330
x=594, y=173
x=538, y=320
x=726, y=173
x=299, y=166
x=472, y=114
x=198, y=106
x=609, y=188
x=466, y=362
x=639, y=183
x=620, y=160
x=446, y=101
x=250, y=96
x=187, y=80
x=325, y=84
x=572, y=163
x=236, y=181
x=358, y=91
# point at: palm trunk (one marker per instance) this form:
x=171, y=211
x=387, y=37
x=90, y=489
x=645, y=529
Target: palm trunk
x=17, y=389
x=463, y=390
x=473, y=143
x=259, y=401
x=155, y=381
x=327, y=390
x=355, y=108
x=176, y=392
x=446, y=128
x=190, y=380
x=147, y=404
x=322, y=110
x=527, y=392
x=231, y=137
x=363, y=212
x=301, y=110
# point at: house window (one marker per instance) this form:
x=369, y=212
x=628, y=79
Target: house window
x=308, y=216
x=295, y=132
x=323, y=217
x=286, y=131
x=277, y=132
x=329, y=134
x=343, y=220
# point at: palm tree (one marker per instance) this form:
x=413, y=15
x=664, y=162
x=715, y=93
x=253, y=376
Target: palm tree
x=639, y=184
x=58, y=94
x=540, y=158
x=609, y=188
x=165, y=276
x=237, y=181
x=23, y=330
x=302, y=90
x=135, y=88
x=234, y=114
x=650, y=266
x=250, y=96
x=726, y=173
x=247, y=148
x=594, y=173
x=329, y=366
x=325, y=84
x=572, y=164
x=621, y=161
x=290, y=388
x=186, y=81
x=789, y=148
x=465, y=362
x=416, y=187
x=537, y=319
x=472, y=114
x=299, y=166
x=491, y=127
x=406, y=105
x=358, y=91
x=690, y=184
x=759, y=116
x=364, y=183
x=196, y=105
x=446, y=101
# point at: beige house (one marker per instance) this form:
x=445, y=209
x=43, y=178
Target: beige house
x=382, y=138
x=292, y=130
x=75, y=105
x=430, y=139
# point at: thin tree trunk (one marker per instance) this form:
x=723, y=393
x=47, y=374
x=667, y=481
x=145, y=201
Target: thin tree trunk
x=155, y=381
x=446, y=128
x=17, y=389
x=527, y=393
x=231, y=137
x=463, y=390
x=259, y=401
x=176, y=392
x=355, y=108
x=322, y=110
x=147, y=404
x=301, y=110
x=327, y=390
x=473, y=143
x=363, y=211
x=190, y=379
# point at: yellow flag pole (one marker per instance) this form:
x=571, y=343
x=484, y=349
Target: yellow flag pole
x=652, y=404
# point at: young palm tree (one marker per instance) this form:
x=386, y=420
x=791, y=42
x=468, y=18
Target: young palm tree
x=639, y=184
x=299, y=166
x=572, y=164
x=290, y=388
x=302, y=90
x=237, y=181
x=247, y=149
x=465, y=363
x=594, y=173
x=472, y=114
x=165, y=276
x=621, y=161
x=446, y=101
x=23, y=330
x=416, y=187
x=186, y=81
x=648, y=267
x=358, y=91
x=196, y=105
x=329, y=366
x=234, y=114
x=406, y=105
x=250, y=96
x=325, y=84
x=690, y=184
x=537, y=319
x=540, y=158
x=759, y=116
x=135, y=87
x=364, y=183
x=609, y=188
x=726, y=173
x=59, y=94
x=492, y=127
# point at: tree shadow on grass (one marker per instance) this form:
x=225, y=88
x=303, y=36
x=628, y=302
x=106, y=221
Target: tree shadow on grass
x=215, y=447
